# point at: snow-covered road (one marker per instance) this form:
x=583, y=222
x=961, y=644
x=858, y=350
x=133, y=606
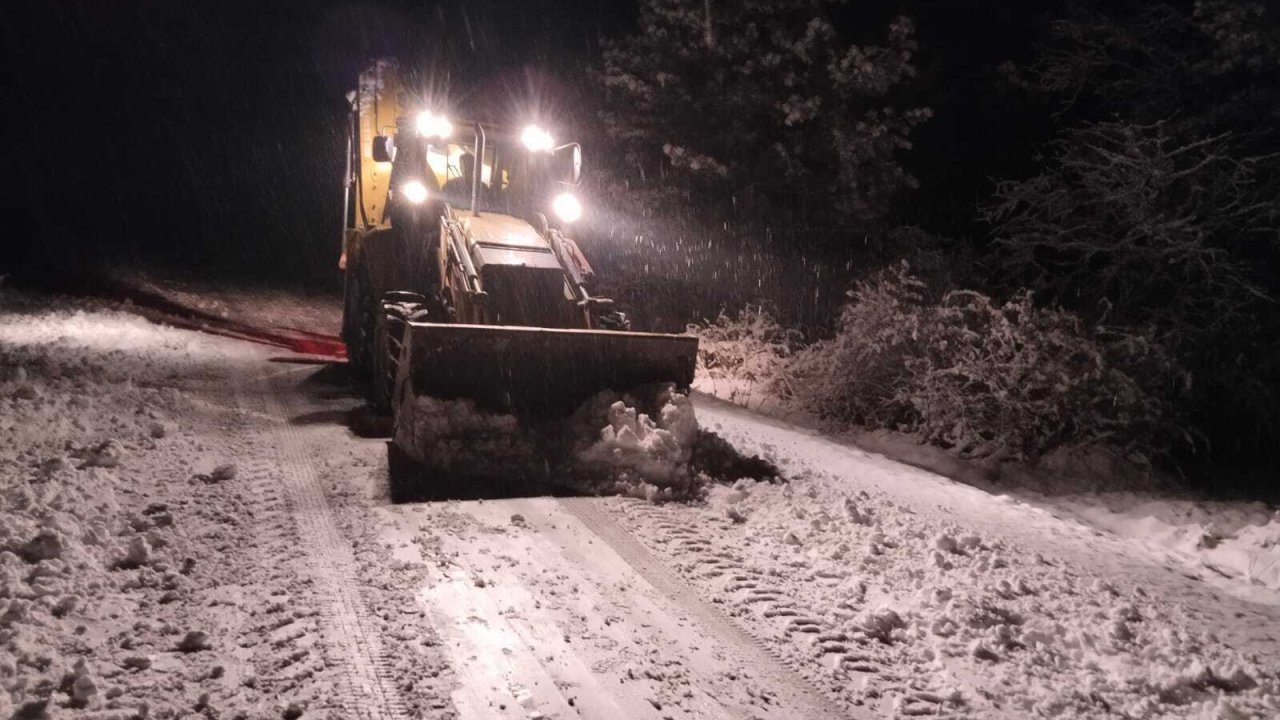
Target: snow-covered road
x=540, y=606
x=191, y=528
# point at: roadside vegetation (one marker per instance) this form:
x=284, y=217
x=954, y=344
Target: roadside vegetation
x=986, y=379
x=1120, y=294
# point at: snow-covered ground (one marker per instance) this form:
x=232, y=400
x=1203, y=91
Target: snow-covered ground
x=191, y=529
x=897, y=588
x=153, y=558
x=1239, y=541
x=1234, y=545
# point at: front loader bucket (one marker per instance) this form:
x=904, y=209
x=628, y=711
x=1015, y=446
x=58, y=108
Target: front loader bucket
x=531, y=371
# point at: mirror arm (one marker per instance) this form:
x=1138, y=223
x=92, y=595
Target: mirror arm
x=477, y=170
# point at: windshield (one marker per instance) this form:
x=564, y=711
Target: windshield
x=513, y=180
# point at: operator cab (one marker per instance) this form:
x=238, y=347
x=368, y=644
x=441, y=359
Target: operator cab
x=495, y=170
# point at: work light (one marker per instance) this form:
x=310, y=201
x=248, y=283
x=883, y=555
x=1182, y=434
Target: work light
x=430, y=125
x=537, y=139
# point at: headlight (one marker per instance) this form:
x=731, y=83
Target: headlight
x=537, y=139
x=430, y=125
x=567, y=207
x=414, y=191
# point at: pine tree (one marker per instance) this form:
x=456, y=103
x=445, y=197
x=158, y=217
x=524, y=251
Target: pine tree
x=761, y=106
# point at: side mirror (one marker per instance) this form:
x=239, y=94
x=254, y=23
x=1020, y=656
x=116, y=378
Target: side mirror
x=382, y=149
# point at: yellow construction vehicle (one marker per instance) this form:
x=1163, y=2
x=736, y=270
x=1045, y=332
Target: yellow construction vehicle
x=461, y=282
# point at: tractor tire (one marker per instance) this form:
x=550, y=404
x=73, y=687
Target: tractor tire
x=397, y=309
x=364, y=306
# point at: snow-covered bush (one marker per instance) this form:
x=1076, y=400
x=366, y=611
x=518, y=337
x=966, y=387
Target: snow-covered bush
x=981, y=377
x=751, y=346
x=855, y=377
x=1136, y=224
x=1014, y=379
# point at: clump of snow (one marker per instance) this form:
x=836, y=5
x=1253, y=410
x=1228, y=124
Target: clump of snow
x=639, y=454
x=220, y=473
x=883, y=624
x=226, y=471
x=136, y=553
x=106, y=454
x=195, y=641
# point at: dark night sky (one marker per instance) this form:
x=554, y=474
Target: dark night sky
x=210, y=134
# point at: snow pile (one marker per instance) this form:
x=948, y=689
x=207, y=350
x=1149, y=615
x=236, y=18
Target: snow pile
x=117, y=341
x=1239, y=542
x=642, y=456
x=79, y=539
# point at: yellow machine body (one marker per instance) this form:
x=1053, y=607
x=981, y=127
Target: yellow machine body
x=379, y=99
x=490, y=304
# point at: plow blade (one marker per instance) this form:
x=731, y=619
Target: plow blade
x=536, y=371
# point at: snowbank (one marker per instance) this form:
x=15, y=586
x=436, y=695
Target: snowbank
x=82, y=414
x=1240, y=540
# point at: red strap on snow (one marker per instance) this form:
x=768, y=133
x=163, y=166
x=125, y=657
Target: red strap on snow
x=302, y=342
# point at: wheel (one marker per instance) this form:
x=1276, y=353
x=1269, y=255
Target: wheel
x=362, y=325
x=397, y=308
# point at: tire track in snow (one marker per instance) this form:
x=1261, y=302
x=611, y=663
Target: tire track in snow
x=351, y=639
x=785, y=625
x=763, y=659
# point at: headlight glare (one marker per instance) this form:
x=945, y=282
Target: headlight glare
x=536, y=139
x=567, y=207
x=430, y=125
x=414, y=191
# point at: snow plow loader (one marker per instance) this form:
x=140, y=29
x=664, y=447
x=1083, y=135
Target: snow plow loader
x=461, y=283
